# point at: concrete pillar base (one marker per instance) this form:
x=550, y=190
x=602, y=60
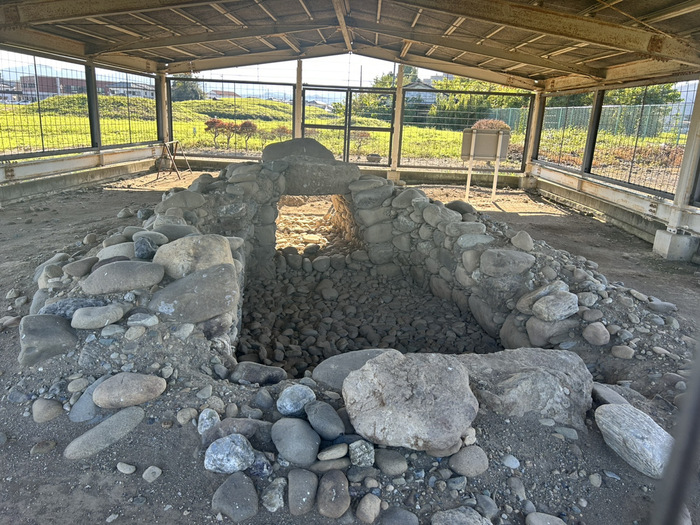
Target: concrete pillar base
x=393, y=175
x=674, y=246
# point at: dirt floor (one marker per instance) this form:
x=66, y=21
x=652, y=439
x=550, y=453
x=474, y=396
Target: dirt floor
x=38, y=485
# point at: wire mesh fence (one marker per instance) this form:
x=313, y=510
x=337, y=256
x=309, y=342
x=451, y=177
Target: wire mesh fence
x=642, y=143
x=127, y=107
x=433, y=121
x=641, y=135
x=230, y=118
x=564, y=129
x=43, y=106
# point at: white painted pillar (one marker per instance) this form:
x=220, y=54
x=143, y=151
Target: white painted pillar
x=669, y=243
x=298, y=102
x=393, y=173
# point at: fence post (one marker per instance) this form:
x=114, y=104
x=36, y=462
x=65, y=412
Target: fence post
x=534, y=130
x=298, y=102
x=162, y=114
x=397, y=126
x=592, y=134
x=93, y=106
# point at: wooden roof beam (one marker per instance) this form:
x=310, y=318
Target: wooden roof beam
x=460, y=44
x=23, y=14
x=446, y=67
x=577, y=28
x=217, y=36
x=339, y=7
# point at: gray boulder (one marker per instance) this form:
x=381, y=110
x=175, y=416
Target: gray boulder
x=556, y=306
x=122, y=276
x=236, y=498
x=417, y=401
x=551, y=383
x=190, y=254
x=635, y=437
x=248, y=372
x=199, y=296
x=105, y=434
x=44, y=336
x=333, y=371
x=188, y=200
x=504, y=263
x=459, y=516
x=296, y=441
x=306, y=146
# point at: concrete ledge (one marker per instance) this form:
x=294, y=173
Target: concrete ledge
x=631, y=222
x=19, y=190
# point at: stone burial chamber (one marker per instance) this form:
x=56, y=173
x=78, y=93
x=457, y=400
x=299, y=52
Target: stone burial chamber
x=159, y=307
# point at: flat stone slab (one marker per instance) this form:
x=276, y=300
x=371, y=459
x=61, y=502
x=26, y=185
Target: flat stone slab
x=105, y=434
x=44, y=336
x=122, y=276
x=417, y=401
x=199, y=296
x=333, y=371
x=127, y=389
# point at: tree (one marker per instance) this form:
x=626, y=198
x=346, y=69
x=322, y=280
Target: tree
x=247, y=129
x=459, y=110
x=229, y=129
x=388, y=80
x=656, y=94
x=185, y=89
x=282, y=132
x=216, y=127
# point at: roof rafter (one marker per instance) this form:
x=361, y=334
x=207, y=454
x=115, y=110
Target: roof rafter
x=207, y=38
x=48, y=11
x=455, y=69
x=578, y=28
x=460, y=44
x=339, y=7
x=266, y=57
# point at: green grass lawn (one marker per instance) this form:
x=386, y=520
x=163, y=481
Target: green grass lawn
x=61, y=123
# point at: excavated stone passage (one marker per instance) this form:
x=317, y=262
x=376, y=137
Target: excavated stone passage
x=255, y=346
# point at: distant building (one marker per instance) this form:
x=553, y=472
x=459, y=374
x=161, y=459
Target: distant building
x=9, y=93
x=132, y=89
x=218, y=94
x=421, y=97
x=321, y=105
x=40, y=87
x=436, y=78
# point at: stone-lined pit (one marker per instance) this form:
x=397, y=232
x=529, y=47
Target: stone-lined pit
x=173, y=318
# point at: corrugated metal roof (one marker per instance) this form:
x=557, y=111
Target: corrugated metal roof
x=541, y=44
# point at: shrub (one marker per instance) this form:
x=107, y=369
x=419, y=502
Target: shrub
x=490, y=123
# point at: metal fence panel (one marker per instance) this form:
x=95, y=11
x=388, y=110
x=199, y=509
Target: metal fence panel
x=643, y=144
x=43, y=106
x=230, y=118
x=563, y=137
x=433, y=121
x=127, y=106
x=639, y=143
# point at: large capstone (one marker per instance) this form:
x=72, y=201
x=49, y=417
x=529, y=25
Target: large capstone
x=312, y=176
x=417, y=401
